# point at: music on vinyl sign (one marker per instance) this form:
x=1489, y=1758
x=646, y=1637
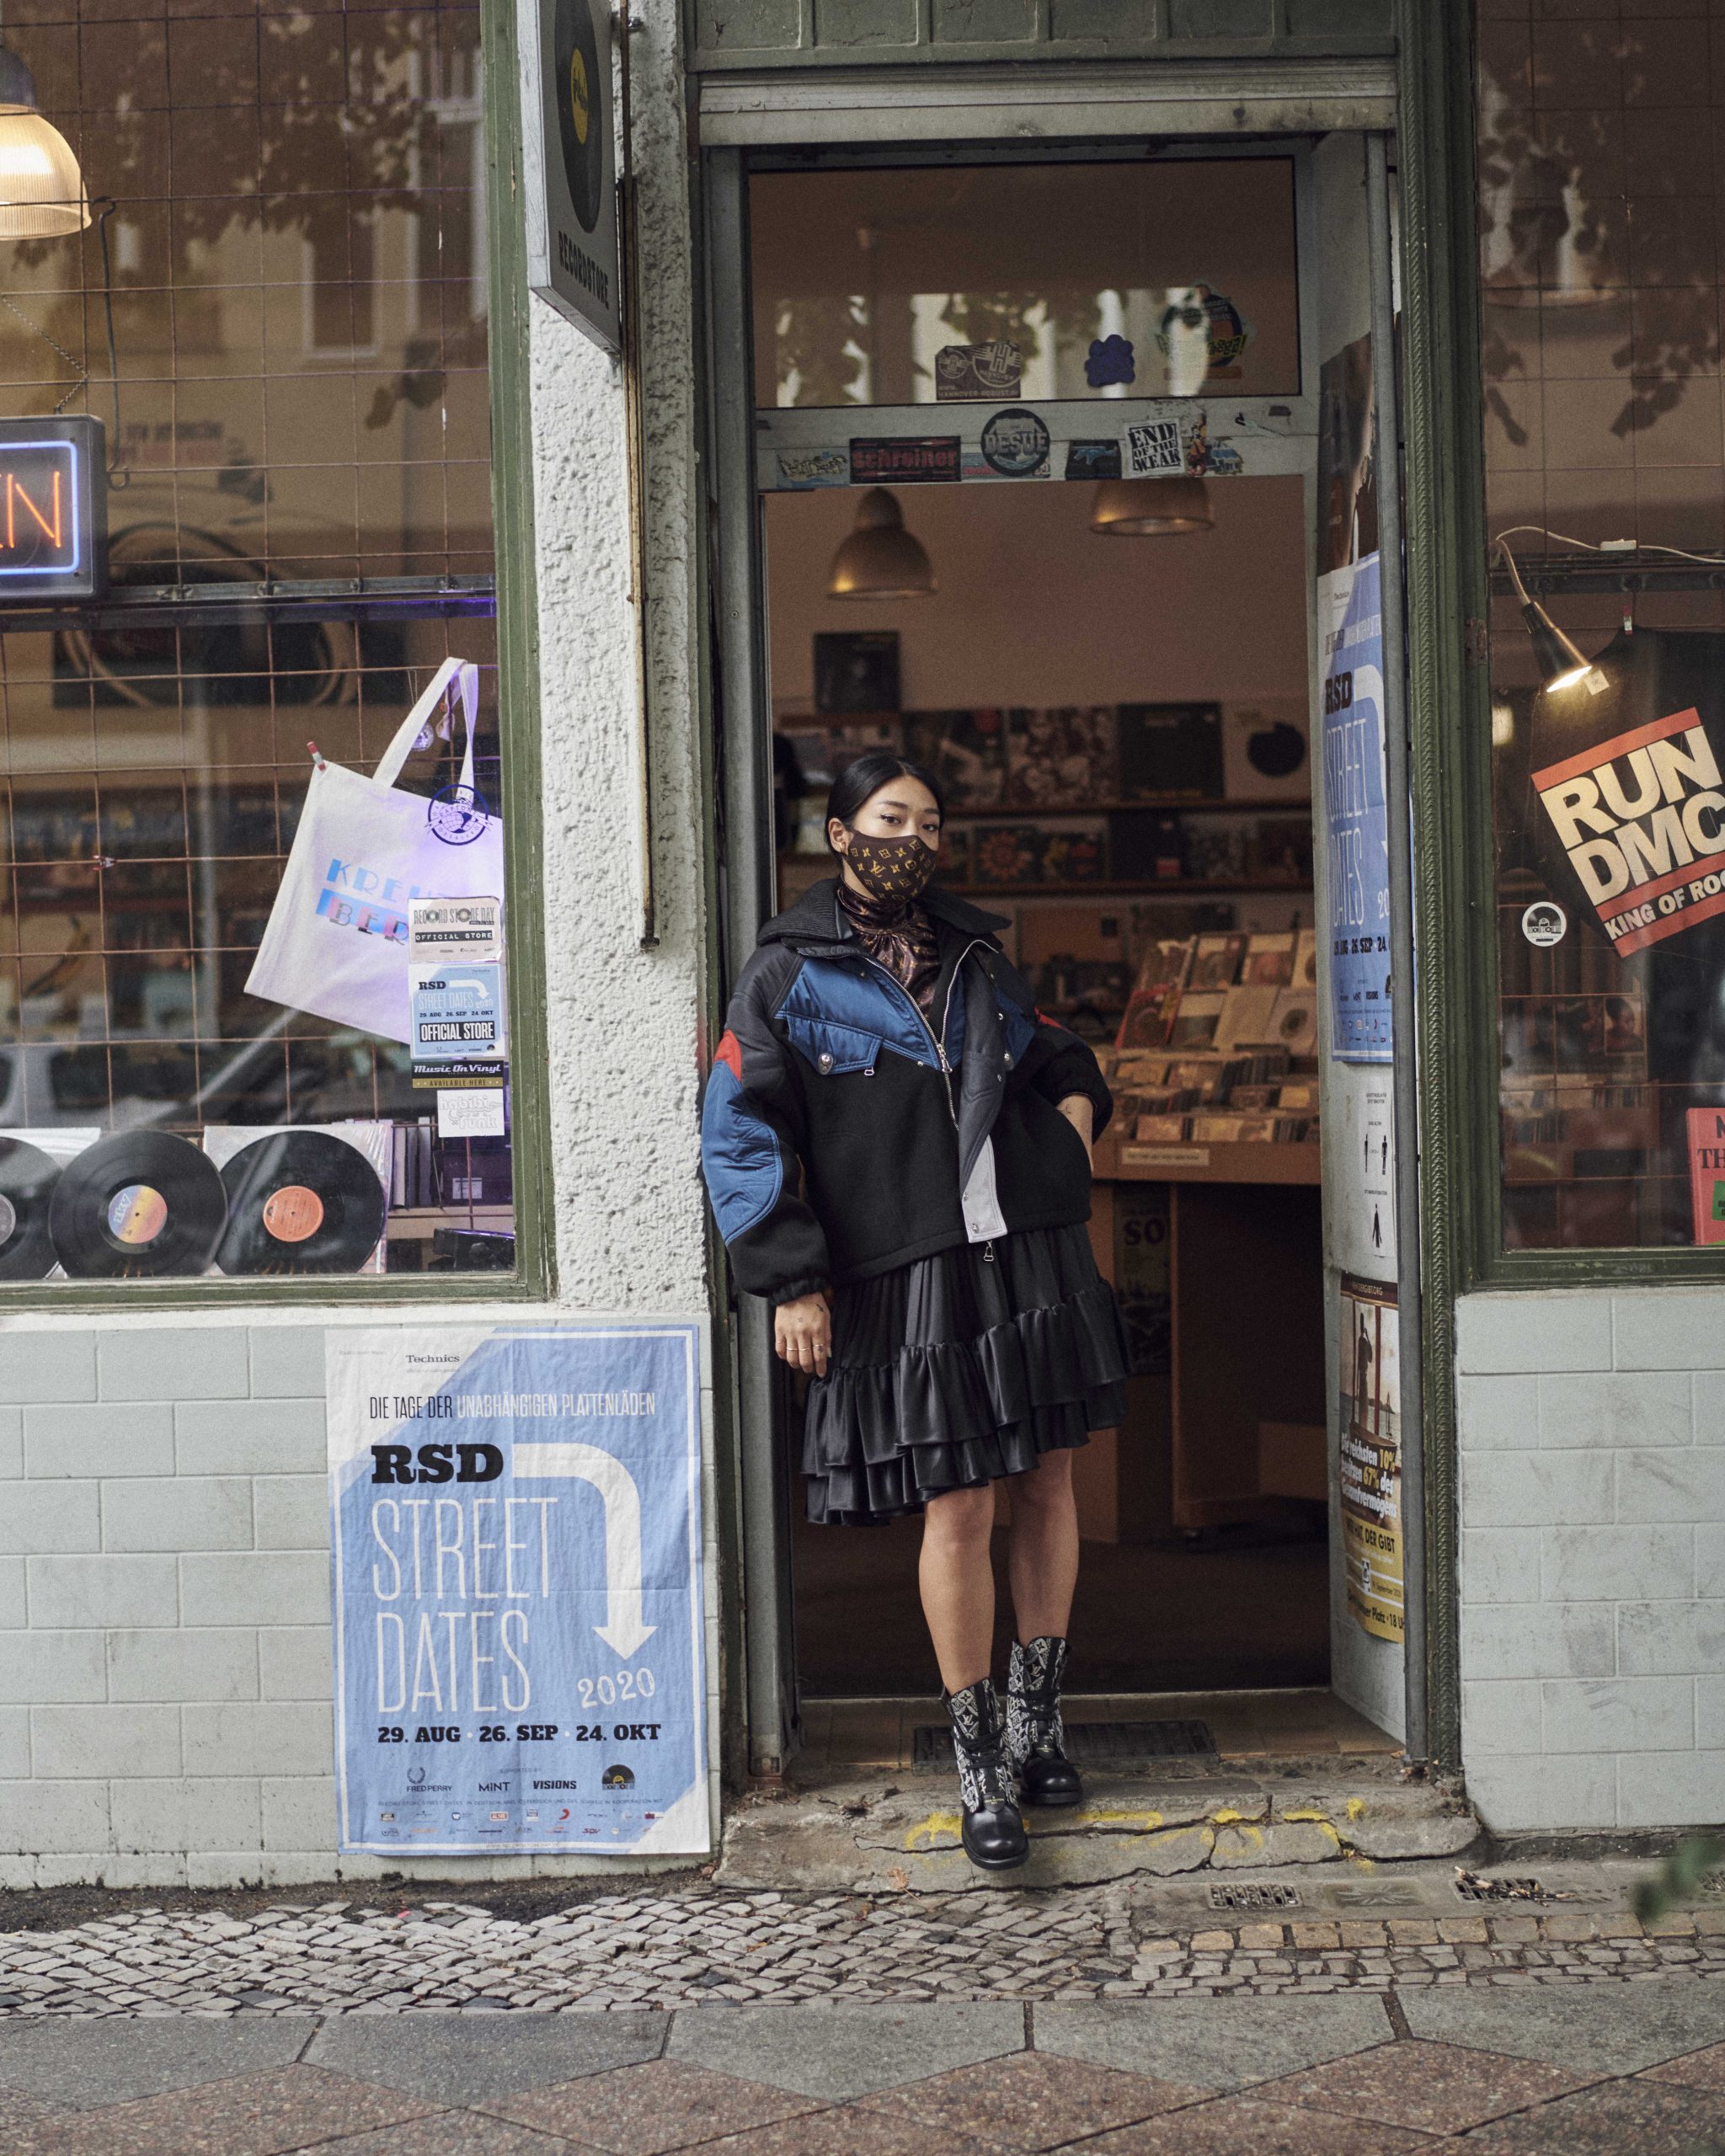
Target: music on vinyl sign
x=53, y=503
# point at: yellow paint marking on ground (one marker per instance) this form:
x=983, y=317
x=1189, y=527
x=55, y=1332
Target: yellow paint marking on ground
x=1316, y=1819
x=921, y=1835
x=1361, y=1863
x=1140, y=1822
x=1225, y=1818
x=1356, y=1807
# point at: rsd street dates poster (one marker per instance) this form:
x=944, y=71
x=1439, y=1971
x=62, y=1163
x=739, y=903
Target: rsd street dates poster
x=519, y=1637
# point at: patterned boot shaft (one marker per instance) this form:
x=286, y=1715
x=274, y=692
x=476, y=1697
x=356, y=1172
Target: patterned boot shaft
x=1033, y=1720
x=978, y=1731
x=1035, y=1733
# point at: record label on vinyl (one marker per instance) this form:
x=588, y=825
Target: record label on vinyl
x=141, y=1205
x=300, y=1201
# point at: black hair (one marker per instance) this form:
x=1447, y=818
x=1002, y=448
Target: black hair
x=859, y=781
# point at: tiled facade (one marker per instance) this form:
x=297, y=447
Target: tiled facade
x=1593, y=1557
x=165, y=1672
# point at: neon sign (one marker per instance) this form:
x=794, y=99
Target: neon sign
x=53, y=509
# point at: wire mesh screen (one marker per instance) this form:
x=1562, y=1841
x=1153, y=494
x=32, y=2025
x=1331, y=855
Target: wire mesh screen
x=279, y=313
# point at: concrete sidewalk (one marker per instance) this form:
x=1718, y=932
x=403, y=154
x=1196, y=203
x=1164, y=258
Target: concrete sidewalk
x=1619, y=2067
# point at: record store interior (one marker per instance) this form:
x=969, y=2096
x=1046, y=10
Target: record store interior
x=1116, y=706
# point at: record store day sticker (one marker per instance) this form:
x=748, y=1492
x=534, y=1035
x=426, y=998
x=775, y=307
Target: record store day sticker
x=518, y=1591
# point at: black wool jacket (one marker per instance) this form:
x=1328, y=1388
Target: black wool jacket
x=844, y=1135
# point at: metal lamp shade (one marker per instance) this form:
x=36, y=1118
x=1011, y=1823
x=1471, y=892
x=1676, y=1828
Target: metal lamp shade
x=880, y=560
x=41, y=189
x=1149, y=509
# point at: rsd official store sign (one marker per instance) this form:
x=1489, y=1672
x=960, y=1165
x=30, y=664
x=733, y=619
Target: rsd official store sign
x=518, y=1595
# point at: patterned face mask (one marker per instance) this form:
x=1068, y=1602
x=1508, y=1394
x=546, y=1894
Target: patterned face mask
x=891, y=868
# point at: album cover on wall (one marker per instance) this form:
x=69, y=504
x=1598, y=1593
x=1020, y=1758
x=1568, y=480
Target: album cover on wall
x=856, y=670
x=1062, y=758
x=965, y=749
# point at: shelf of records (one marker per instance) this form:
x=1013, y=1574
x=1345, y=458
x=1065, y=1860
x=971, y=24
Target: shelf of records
x=1575, y=1092
x=1132, y=768
x=1218, y=1047
x=244, y=1200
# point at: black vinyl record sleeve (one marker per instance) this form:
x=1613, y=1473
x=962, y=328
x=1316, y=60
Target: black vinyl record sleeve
x=142, y=1204
x=300, y=1201
x=27, y=1180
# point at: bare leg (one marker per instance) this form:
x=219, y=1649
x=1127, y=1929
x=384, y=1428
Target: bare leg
x=957, y=1581
x=1042, y=1551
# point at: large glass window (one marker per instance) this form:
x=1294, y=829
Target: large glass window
x=278, y=313
x=1600, y=191
x=936, y=284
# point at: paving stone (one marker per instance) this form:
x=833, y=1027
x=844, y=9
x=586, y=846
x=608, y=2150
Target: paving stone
x=1210, y=2045
x=461, y=2058
x=833, y=2050
x=648, y=2110
x=453, y=2134
x=846, y=2131
x=1239, y=2123
x=1614, y=2030
x=1435, y=2087
x=255, y=2115
x=1702, y=2069
x=1621, y=2116
x=1032, y=2102
x=79, y=2065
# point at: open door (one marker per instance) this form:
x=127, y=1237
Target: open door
x=1365, y=906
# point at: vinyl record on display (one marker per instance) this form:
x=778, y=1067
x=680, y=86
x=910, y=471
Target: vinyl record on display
x=581, y=98
x=27, y=1180
x=141, y=1205
x=300, y=1201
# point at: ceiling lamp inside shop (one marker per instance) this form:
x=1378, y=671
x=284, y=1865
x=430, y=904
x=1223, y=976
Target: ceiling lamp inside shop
x=880, y=560
x=1148, y=509
x=41, y=189
x=1559, y=660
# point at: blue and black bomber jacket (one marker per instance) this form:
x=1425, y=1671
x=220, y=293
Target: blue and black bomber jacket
x=843, y=1134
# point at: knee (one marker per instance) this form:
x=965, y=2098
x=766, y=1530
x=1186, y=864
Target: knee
x=960, y=1518
x=1047, y=1486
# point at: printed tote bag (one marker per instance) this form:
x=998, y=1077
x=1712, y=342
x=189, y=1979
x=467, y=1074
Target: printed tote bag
x=336, y=942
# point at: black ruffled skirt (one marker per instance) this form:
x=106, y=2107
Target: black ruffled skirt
x=958, y=1369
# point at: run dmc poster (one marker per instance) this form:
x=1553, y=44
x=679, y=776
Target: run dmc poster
x=517, y=1586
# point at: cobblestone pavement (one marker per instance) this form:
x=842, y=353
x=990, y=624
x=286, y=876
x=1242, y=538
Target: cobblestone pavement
x=684, y=1948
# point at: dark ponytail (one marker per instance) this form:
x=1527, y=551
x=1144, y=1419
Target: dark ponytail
x=858, y=782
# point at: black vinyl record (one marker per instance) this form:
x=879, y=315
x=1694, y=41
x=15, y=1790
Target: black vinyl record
x=582, y=96
x=300, y=1201
x=27, y=1180
x=141, y=1205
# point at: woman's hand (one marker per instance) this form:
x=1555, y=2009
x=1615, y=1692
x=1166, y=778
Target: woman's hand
x=1080, y=1111
x=802, y=1331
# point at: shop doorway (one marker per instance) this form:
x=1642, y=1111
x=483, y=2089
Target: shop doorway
x=963, y=379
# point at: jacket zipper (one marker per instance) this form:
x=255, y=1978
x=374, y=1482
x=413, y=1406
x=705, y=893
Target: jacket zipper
x=937, y=1042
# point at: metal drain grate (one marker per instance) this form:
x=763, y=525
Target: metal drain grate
x=1272, y=1896
x=1472, y=1888
x=1092, y=1743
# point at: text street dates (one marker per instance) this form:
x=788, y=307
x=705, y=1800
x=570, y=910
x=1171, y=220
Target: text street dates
x=524, y=1733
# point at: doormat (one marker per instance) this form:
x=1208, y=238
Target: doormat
x=1092, y=1743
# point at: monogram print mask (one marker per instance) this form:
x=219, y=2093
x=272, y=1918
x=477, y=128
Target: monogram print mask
x=891, y=868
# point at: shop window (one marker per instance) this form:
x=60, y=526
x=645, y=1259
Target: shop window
x=286, y=259
x=936, y=284
x=1599, y=232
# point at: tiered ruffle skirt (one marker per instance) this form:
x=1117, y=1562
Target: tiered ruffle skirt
x=958, y=1369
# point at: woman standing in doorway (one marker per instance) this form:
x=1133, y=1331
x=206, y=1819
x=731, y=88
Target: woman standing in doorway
x=896, y=1144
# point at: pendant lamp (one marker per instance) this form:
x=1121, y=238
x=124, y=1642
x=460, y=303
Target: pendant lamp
x=880, y=560
x=41, y=189
x=1149, y=509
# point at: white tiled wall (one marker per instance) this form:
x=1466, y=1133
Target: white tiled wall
x=165, y=1678
x=1593, y=1557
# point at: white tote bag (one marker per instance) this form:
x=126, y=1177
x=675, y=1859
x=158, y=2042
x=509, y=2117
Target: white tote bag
x=336, y=942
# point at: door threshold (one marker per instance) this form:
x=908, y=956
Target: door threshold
x=1305, y=1723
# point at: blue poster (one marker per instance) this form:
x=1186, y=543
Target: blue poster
x=1356, y=823
x=518, y=1636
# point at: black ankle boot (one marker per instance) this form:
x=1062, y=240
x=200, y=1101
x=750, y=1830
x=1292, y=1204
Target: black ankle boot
x=994, y=1834
x=1034, y=1731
